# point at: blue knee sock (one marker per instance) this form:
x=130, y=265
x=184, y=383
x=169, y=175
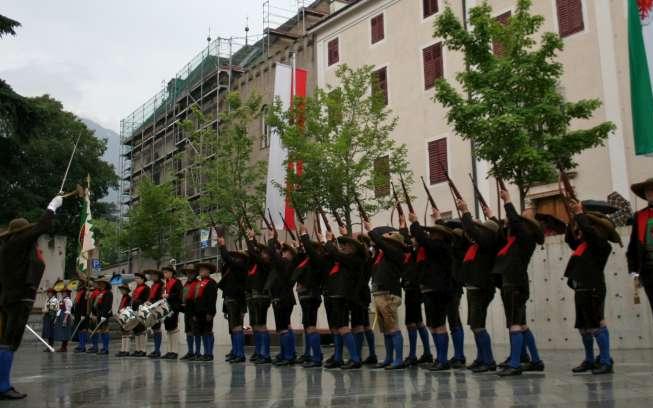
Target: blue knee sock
x=105, y=341
x=529, y=341
x=338, y=348
x=157, y=342
x=387, y=340
x=6, y=359
x=239, y=343
x=588, y=344
x=479, y=347
x=205, y=343
x=412, y=343
x=211, y=343
x=441, y=341
x=487, y=347
x=233, y=344
x=292, y=345
x=307, y=345
x=602, y=337
x=458, y=340
x=316, y=347
x=369, y=338
x=258, y=343
x=190, y=344
x=265, y=349
x=94, y=340
x=82, y=340
x=516, y=346
x=424, y=337
x=348, y=339
x=398, y=347
x=286, y=352
x=198, y=345
x=359, y=338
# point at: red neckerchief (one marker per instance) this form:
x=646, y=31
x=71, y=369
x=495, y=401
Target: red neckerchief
x=407, y=257
x=94, y=294
x=201, y=287
x=470, y=255
x=642, y=222
x=98, y=298
x=252, y=271
x=137, y=292
x=126, y=300
x=79, y=296
x=580, y=250
x=303, y=263
x=506, y=248
x=191, y=290
x=334, y=269
x=379, y=258
x=170, y=283
x=421, y=255
x=155, y=292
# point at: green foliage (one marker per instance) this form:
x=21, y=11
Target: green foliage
x=107, y=236
x=338, y=133
x=158, y=222
x=513, y=110
x=36, y=139
x=234, y=188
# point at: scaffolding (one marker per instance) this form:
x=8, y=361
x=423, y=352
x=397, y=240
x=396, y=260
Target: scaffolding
x=279, y=16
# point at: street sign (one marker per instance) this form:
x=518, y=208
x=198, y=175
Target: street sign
x=96, y=264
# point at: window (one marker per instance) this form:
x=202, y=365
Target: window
x=433, y=66
x=438, y=163
x=570, y=17
x=334, y=55
x=380, y=83
x=377, y=29
x=430, y=7
x=497, y=47
x=382, y=176
x=264, y=139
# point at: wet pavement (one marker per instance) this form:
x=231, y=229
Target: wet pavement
x=73, y=380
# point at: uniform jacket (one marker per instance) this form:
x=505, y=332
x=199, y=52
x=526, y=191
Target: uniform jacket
x=387, y=267
x=434, y=257
x=174, y=291
x=639, y=259
x=103, y=304
x=206, y=296
x=310, y=271
x=513, y=258
x=156, y=291
x=587, y=263
x=125, y=301
x=343, y=274
x=479, y=258
x=140, y=295
x=257, y=274
x=80, y=304
x=234, y=275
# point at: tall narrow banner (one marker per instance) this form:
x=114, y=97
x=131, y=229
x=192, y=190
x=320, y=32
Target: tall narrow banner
x=276, y=201
x=640, y=51
x=86, y=239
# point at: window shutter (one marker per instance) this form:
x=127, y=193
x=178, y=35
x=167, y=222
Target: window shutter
x=381, y=83
x=377, y=29
x=382, y=176
x=438, y=162
x=497, y=47
x=333, y=55
x=570, y=17
x=433, y=64
x=430, y=7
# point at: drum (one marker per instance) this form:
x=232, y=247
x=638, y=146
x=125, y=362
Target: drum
x=152, y=313
x=127, y=319
x=53, y=305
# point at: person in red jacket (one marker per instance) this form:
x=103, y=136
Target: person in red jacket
x=92, y=321
x=156, y=294
x=640, y=248
x=172, y=293
x=102, y=311
x=125, y=301
x=193, y=341
x=206, y=295
x=139, y=297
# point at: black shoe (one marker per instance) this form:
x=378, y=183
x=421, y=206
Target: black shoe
x=311, y=364
x=263, y=360
x=12, y=394
x=400, y=366
x=282, y=363
x=475, y=364
x=170, y=356
x=92, y=350
x=79, y=350
x=195, y=357
x=370, y=360
x=207, y=358
x=585, y=366
x=410, y=361
x=381, y=365
x=187, y=356
x=254, y=357
x=237, y=360
x=510, y=371
x=504, y=364
x=121, y=354
x=438, y=366
x=351, y=365
x=333, y=364
x=533, y=366
x=303, y=358
x=229, y=356
x=484, y=368
x=103, y=352
x=154, y=354
x=330, y=359
x=603, y=369
x=426, y=358
x=456, y=363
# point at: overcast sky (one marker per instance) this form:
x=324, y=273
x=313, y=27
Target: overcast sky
x=104, y=58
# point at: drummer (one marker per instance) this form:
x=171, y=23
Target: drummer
x=64, y=321
x=139, y=297
x=125, y=301
x=188, y=296
x=173, y=293
x=156, y=294
x=102, y=311
x=50, y=309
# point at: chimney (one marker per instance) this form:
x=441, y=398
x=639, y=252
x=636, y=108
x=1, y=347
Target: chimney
x=337, y=5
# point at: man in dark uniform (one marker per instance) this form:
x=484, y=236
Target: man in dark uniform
x=232, y=284
x=92, y=319
x=204, y=309
x=308, y=275
x=188, y=296
x=523, y=234
x=172, y=293
x=80, y=316
x=360, y=316
x=459, y=247
x=585, y=275
x=102, y=312
x=434, y=256
x=640, y=247
x=477, y=271
x=139, y=297
x=125, y=301
x=21, y=269
x=257, y=275
x=156, y=294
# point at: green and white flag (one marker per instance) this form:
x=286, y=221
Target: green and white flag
x=640, y=49
x=86, y=240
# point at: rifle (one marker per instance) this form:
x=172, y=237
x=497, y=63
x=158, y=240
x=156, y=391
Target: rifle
x=478, y=194
x=338, y=219
x=265, y=220
x=454, y=190
x=406, y=196
x=317, y=223
x=247, y=223
x=299, y=215
x=324, y=218
x=400, y=210
x=274, y=227
x=428, y=194
x=568, y=194
x=502, y=185
x=290, y=231
x=361, y=210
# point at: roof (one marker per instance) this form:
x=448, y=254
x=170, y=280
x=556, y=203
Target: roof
x=335, y=15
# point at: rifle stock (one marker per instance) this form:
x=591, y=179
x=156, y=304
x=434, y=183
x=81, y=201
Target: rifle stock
x=428, y=194
x=318, y=227
x=338, y=219
x=409, y=204
x=324, y=218
x=502, y=185
x=265, y=220
x=400, y=210
x=452, y=186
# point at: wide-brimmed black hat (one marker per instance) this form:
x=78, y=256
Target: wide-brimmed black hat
x=287, y=247
x=489, y=225
x=141, y=275
x=344, y=239
x=188, y=269
x=551, y=222
x=16, y=225
x=640, y=188
x=599, y=206
x=605, y=227
x=124, y=287
x=169, y=268
x=442, y=230
x=534, y=227
x=153, y=272
x=208, y=265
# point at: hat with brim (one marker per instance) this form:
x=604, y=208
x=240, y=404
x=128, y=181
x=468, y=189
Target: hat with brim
x=140, y=275
x=206, y=265
x=153, y=272
x=551, y=223
x=535, y=228
x=488, y=225
x=599, y=206
x=640, y=188
x=346, y=240
x=16, y=225
x=188, y=269
x=239, y=254
x=453, y=224
x=287, y=247
x=124, y=287
x=104, y=280
x=364, y=239
x=169, y=269
x=441, y=230
x=604, y=227
x=395, y=238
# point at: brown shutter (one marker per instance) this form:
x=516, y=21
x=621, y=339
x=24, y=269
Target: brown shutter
x=381, y=83
x=377, y=29
x=433, y=64
x=382, y=176
x=570, y=17
x=437, y=160
x=430, y=7
x=333, y=55
x=497, y=47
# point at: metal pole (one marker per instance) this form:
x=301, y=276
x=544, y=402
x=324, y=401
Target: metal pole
x=77, y=327
x=40, y=338
x=65, y=176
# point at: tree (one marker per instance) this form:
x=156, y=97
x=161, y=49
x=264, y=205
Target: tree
x=342, y=137
x=514, y=112
x=234, y=187
x=158, y=222
x=7, y=26
x=107, y=234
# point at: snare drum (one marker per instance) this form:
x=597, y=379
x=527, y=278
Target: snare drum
x=127, y=319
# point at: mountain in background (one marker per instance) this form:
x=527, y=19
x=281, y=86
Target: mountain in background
x=111, y=155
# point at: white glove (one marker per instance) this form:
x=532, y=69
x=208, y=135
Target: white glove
x=102, y=319
x=55, y=203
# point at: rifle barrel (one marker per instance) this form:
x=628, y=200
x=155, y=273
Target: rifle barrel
x=428, y=194
x=406, y=195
